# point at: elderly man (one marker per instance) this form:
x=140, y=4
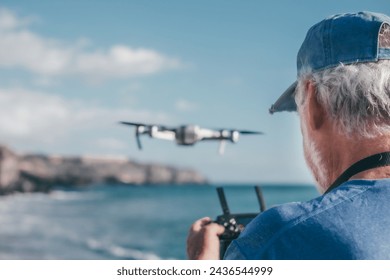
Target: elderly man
x=342, y=96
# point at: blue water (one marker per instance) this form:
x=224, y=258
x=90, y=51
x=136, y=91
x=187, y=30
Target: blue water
x=119, y=222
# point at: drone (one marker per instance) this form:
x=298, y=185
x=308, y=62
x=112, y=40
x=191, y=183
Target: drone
x=188, y=135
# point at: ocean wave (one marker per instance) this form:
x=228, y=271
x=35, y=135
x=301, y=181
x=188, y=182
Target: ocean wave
x=121, y=252
x=72, y=195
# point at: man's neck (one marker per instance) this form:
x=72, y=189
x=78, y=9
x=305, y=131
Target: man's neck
x=346, y=151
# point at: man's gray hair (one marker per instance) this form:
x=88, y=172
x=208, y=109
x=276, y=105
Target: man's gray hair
x=356, y=96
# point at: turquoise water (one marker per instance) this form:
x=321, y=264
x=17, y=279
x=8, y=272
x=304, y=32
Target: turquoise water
x=120, y=222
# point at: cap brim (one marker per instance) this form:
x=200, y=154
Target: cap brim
x=286, y=102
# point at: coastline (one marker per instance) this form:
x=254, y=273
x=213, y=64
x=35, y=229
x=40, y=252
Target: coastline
x=41, y=173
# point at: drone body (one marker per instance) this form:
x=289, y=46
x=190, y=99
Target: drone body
x=187, y=135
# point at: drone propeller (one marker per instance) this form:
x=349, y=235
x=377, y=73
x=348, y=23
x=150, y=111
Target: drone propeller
x=249, y=132
x=160, y=127
x=132, y=123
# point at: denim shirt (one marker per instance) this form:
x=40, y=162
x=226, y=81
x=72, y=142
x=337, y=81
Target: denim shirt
x=350, y=222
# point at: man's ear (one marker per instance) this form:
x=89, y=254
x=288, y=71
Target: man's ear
x=316, y=113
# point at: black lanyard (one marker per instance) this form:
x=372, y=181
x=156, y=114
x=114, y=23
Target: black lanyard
x=377, y=160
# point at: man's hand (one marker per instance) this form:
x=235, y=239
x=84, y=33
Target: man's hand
x=203, y=240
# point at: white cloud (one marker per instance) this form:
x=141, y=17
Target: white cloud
x=25, y=50
x=185, y=105
x=24, y=113
x=20, y=48
x=31, y=116
x=9, y=21
x=121, y=61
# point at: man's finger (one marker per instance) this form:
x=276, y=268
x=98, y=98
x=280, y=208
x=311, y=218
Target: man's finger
x=215, y=228
x=197, y=225
x=203, y=241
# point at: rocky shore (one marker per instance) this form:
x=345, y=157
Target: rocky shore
x=41, y=173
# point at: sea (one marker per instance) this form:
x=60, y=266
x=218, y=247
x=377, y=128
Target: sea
x=108, y=222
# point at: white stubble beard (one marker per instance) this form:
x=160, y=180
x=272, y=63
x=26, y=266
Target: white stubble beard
x=315, y=161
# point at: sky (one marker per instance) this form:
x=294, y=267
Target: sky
x=71, y=70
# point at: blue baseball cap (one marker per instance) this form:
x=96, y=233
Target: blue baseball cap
x=343, y=38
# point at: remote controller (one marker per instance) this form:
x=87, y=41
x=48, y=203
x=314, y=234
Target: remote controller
x=234, y=223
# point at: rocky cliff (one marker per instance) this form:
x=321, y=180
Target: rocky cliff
x=29, y=173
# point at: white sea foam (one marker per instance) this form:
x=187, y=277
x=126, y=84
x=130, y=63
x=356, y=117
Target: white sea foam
x=72, y=195
x=132, y=253
x=65, y=195
x=121, y=252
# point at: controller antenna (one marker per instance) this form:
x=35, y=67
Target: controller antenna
x=222, y=200
x=260, y=198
